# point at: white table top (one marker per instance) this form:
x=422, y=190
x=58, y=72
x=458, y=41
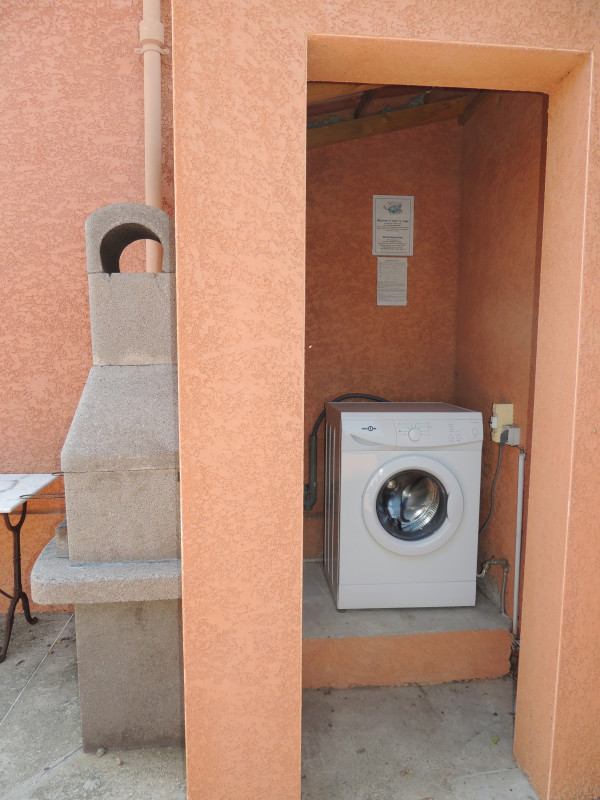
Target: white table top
x=13, y=487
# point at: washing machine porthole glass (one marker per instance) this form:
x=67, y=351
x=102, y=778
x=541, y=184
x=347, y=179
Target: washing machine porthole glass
x=411, y=505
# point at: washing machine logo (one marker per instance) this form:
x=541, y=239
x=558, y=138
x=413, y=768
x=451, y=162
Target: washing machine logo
x=369, y=428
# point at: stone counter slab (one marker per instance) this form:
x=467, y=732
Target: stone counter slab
x=54, y=581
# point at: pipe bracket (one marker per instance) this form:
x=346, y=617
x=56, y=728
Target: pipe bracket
x=152, y=47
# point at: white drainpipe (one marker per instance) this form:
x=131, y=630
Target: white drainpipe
x=518, y=537
x=152, y=39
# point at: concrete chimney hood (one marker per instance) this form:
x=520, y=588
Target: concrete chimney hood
x=117, y=559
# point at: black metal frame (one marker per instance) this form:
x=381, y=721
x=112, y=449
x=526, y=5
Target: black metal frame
x=18, y=593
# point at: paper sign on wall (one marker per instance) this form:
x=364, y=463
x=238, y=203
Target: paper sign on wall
x=392, y=225
x=391, y=281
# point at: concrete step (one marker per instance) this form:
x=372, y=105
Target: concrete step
x=398, y=647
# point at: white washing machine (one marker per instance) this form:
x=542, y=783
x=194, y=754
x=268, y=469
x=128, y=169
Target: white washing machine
x=402, y=504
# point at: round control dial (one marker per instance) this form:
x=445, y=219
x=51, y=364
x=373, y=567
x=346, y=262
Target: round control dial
x=414, y=434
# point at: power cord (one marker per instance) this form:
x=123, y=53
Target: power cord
x=503, y=440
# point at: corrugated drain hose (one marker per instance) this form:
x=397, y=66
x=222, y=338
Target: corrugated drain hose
x=310, y=488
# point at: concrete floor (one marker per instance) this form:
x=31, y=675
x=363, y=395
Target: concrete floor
x=40, y=741
x=448, y=742
x=411, y=743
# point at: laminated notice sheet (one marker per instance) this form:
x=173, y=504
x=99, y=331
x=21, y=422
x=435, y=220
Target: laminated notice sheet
x=391, y=281
x=392, y=225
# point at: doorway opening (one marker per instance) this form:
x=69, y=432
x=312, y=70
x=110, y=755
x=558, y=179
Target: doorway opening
x=465, y=333
x=479, y=280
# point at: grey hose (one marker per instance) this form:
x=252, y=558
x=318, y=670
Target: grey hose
x=310, y=488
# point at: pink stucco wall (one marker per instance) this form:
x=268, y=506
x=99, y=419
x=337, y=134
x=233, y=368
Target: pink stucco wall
x=561, y=625
x=240, y=212
x=501, y=168
x=240, y=329
x=64, y=152
x=71, y=140
x=353, y=345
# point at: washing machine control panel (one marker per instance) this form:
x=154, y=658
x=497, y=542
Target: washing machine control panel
x=386, y=433
x=413, y=432
x=438, y=433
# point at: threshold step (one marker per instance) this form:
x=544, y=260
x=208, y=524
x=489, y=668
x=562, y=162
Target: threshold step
x=397, y=647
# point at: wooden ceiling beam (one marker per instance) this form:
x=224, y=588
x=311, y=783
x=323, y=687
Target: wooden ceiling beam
x=322, y=92
x=385, y=123
x=317, y=92
x=435, y=94
x=337, y=105
x=398, y=90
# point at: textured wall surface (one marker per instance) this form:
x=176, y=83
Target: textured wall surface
x=561, y=622
x=71, y=140
x=352, y=345
x=240, y=287
x=497, y=291
x=426, y=658
x=239, y=146
x=68, y=149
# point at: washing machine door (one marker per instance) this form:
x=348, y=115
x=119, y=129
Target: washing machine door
x=412, y=505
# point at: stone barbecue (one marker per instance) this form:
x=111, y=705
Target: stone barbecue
x=116, y=557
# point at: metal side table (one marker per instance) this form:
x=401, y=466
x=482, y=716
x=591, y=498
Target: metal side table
x=15, y=491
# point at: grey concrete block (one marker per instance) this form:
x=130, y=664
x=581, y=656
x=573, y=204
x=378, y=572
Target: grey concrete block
x=123, y=516
x=55, y=581
x=133, y=318
x=126, y=419
x=129, y=658
x=109, y=230
x=61, y=541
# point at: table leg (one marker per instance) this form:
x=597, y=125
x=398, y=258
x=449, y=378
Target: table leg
x=18, y=593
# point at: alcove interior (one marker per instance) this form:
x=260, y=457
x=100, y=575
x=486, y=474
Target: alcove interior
x=133, y=257
x=468, y=332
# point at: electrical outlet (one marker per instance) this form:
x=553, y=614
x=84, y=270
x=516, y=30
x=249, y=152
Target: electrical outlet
x=514, y=435
x=503, y=413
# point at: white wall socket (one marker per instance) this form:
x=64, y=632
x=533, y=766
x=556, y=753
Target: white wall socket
x=503, y=412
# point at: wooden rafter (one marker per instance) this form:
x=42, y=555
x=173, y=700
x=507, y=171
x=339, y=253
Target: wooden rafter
x=324, y=98
x=364, y=102
x=317, y=92
x=385, y=123
x=435, y=95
